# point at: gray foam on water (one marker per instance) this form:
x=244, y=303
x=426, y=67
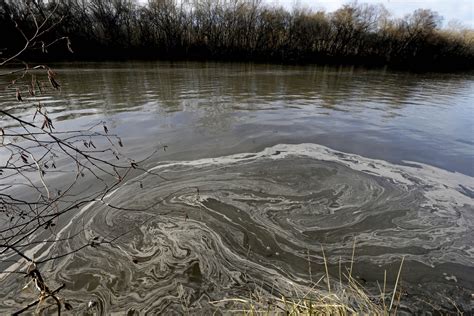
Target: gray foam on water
x=222, y=226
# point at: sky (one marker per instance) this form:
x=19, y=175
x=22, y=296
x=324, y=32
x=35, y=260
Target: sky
x=461, y=10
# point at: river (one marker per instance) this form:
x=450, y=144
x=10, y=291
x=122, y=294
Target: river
x=264, y=164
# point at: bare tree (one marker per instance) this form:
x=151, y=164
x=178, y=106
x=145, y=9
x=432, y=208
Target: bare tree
x=41, y=167
x=240, y=29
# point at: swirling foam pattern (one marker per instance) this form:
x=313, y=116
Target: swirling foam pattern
x=221, y=227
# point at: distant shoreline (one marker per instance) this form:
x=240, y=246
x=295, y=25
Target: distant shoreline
x=224, y=60
x=239, y=31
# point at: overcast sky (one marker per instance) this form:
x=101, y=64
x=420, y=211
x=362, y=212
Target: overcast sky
x=461, y=10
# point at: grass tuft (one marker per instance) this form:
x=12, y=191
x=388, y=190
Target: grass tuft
x=345, y=296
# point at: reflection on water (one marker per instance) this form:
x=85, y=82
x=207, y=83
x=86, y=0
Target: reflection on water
x=392, y=116
x=257, y=214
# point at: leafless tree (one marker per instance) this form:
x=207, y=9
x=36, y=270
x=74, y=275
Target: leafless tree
x=243, y=29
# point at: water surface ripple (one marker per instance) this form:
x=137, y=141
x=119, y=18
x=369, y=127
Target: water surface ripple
x=226, y=224
x=266, y=164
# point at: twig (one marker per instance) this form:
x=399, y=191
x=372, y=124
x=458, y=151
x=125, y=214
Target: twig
x=40, y=299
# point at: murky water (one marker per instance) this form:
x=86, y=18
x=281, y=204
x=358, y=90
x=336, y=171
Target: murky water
x=264, y=165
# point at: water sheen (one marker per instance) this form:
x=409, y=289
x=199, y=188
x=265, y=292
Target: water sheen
x=264, y=165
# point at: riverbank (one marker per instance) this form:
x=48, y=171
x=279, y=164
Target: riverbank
x=355, y=34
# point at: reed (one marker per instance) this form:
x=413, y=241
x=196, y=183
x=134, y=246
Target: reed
x=327, y=296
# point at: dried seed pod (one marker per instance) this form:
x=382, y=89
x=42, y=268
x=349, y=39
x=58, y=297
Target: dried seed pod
x=51, y=73
x=47, y=123
x=38, y=110
x=52, y=80
x=50, y=123
x=68, y=44
x=54, y=83
x=31, y=90
x=18, y=95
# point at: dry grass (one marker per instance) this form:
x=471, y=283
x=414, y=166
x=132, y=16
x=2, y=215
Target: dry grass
x=327, y=296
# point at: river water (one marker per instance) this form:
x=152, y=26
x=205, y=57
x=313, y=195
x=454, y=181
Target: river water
x=264, y=164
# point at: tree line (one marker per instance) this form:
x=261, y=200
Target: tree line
x=237, y=30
